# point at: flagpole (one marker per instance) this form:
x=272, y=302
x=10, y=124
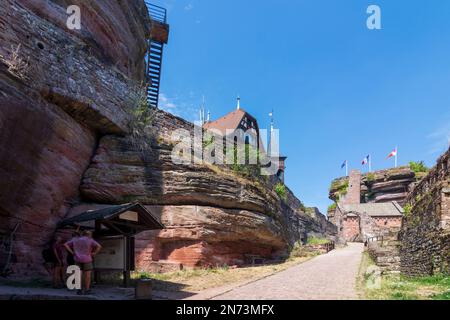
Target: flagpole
x=346, y=168
x=396, y=153
x=370, y=163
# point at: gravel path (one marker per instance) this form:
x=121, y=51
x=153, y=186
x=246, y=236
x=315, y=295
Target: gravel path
x=330, y=276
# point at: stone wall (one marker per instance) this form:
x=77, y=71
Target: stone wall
x=351, y=228
x=425, y=240
x=353, y=195
x=385, y=252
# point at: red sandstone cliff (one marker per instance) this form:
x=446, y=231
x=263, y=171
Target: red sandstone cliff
x=65, y=101
x=380, y=186
x=59, y=90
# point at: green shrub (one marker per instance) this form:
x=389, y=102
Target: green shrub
x=407, y=209
x=370, y=177
x=339, y=187
x=280, y=189
x=317, y=241
x=141, y=131
x=418, y=167
x=332, y=207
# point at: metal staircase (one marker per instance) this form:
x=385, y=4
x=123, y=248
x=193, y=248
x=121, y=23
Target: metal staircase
x=155, y=56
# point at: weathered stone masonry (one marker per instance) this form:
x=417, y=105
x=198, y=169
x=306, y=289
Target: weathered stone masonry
x=425, y=236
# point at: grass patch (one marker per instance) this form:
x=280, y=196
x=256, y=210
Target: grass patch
x=399, y=287
x=370, y=177
x=317, y=241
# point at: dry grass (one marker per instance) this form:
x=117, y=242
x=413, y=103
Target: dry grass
x=196, y=280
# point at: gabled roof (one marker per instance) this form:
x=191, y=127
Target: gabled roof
x=387, y=209
x=112, y=215
x=230, y=121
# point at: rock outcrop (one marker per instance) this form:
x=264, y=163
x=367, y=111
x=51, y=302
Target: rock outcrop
x=59, y=90
x=212, y=214
x=65, y=108
x=380, y=186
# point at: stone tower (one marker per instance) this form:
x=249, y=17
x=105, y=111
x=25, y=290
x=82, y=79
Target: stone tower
x=353, y=195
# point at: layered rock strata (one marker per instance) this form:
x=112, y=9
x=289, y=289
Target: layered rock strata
x=60, y=90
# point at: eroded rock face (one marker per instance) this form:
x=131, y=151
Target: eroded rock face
x=199, y=236
x=213, y=216
x=114, y=31
x=59, y=90
x=65, y=100
x=118, y=174
x=210, y=218
x=382, y=186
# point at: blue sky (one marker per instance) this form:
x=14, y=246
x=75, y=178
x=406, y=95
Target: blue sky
x=339, y=90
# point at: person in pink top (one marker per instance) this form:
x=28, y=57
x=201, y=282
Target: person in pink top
x=83, y=249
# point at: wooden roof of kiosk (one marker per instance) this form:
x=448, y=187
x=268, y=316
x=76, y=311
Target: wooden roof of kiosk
x=127, y=219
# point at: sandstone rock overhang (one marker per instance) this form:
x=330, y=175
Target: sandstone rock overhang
x=128, y=219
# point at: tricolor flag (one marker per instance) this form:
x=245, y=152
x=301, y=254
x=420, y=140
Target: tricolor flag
x=365, y=160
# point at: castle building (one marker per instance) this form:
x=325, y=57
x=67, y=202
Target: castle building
x=357, y=222
x=244, y=124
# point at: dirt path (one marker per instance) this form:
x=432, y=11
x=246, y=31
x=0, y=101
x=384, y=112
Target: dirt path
x=330, y=276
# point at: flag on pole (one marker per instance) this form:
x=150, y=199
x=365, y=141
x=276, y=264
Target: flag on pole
x=345, y=165
x=394, y=153
x=366, y=160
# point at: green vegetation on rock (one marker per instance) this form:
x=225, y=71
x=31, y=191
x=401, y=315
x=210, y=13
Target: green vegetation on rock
x=418, y=167
x=407, y=209
x=332, y=207
x=370, y=177
x=280, y=189
x=339, y=188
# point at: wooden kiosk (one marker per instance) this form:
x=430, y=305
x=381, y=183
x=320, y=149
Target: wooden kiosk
x=114, y=228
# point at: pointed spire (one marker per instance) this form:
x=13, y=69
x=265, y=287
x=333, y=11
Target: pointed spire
x=271, y=120
x=269, y=146
x=238, y=103
x=208, y=119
